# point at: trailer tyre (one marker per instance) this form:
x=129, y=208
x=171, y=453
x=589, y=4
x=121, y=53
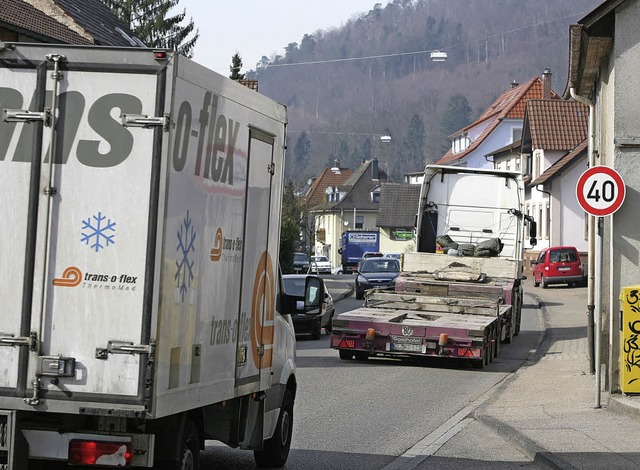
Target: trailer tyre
x=345, y=354
x=275, y=451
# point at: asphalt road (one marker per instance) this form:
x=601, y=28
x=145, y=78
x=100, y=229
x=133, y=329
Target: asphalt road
x=351, y=414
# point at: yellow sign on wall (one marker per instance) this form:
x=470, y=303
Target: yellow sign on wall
x=630, y=338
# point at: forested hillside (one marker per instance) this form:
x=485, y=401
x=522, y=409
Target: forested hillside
x=346, y=86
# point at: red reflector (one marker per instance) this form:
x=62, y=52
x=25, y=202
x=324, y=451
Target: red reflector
x=115, y=454
x=160, y=55
x=347, y=343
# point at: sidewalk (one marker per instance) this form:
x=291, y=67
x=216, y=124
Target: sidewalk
x=547, y=408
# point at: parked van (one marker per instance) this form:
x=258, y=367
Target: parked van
x=558, y=265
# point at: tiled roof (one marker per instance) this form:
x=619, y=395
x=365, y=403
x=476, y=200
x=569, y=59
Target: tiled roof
x=398, y=205
x=98, y=20
x=25, y=18
x=510, y=105
x=558, y=167
x=556, y=124
x=316, y=194
x=64, y=21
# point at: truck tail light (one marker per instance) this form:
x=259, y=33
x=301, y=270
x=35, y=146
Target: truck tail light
x=371, y=334
x=115, y=454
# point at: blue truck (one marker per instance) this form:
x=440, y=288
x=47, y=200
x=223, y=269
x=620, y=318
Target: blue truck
x=354, y=244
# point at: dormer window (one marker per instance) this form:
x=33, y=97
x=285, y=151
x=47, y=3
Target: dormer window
x=375, y=195
x=460, y=143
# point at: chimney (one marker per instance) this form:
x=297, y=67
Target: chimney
x=514, y=84
x=336, y=167
x=374, y=169
x=546, y=84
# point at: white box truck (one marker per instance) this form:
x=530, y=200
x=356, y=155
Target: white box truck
x=142, y=306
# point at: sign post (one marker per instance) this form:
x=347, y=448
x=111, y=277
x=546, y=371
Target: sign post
x=600, y=191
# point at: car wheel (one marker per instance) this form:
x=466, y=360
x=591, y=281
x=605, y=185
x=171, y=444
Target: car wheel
x=545, y=284
x=535, y=283
x=359, y=294
x=327, y=328
x=275, y=451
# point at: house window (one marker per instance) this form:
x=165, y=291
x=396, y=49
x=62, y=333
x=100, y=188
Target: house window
x=547, y=222
x=375, y=196
x=517, y=160
x=359, y=221
x=540, y=219
x=507, y=165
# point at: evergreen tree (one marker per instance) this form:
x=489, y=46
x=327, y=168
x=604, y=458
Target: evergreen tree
x=457, y=116
x=302, y=151
x=414, y=144
x=236, y=66
x=148, y=20
x=289, y=227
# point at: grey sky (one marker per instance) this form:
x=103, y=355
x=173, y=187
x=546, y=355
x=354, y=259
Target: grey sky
x=262, y=27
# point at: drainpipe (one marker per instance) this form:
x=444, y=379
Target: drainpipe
x=594, y=336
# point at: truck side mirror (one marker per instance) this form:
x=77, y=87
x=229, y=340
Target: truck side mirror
x=313, y=295
x=533, y=241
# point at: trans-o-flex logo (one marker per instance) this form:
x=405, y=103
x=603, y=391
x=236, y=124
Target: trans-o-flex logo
x=74, y=277
x=226, y=249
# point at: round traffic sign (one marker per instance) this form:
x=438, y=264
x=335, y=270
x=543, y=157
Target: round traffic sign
x=600, y=191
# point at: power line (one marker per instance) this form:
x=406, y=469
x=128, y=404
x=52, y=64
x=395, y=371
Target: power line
x=427, y=51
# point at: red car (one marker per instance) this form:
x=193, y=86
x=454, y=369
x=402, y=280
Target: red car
x=558, y=265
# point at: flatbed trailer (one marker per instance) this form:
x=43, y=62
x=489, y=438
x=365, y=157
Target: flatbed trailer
x=409, y=325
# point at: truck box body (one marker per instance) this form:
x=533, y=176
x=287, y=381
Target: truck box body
x=143, y=253
x=354, y=244
x=445, y=304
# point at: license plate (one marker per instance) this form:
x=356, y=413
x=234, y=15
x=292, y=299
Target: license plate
x=564, y=268
x=408, y=347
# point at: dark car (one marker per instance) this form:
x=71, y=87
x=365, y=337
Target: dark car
x=376, y=273
x=558, y=265
x=300, y=263
x=308, y=323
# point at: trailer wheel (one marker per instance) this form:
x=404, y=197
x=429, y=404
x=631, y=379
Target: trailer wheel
x=345, y=354
x=275, y=451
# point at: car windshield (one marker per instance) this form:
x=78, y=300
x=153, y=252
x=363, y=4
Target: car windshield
x=560, y=256
x=294, y=286
x=299, y=257
x=372, y=265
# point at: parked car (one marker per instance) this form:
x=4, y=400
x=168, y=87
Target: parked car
x=376, y=272
x=306, y=323
x=300, y=263
x=320, y=265
x=558, y=265
x=369, y=254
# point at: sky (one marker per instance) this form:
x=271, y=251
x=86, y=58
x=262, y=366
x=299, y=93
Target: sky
x=254, y=28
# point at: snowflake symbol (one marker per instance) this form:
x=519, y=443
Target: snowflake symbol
x=94, y=234
x=184, y=272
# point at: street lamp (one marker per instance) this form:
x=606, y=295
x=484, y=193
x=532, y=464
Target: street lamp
x=438, y=56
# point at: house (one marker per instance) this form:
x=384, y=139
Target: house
x=89, y=22
x=351, y=205
x=604, y=54
x=397, y=216
x=499, y=125
x=554, y=145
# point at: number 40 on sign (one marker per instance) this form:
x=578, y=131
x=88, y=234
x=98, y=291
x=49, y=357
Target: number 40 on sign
x=600, y=191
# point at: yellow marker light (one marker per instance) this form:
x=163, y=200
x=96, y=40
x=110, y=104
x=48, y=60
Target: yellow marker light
x=371, y=334
x=444, y=338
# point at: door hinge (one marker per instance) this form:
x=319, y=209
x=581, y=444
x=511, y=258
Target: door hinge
x=24, y=115
x=142, y=120
x=124, y=347
x=271, y=168
x=11, y=340
x=261, y=350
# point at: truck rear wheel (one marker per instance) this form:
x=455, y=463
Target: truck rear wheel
x=190, y=451
x=275, y=451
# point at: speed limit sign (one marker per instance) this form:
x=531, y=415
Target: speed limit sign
x=600, y=191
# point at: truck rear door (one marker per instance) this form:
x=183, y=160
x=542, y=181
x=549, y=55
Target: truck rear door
x=79, y=221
